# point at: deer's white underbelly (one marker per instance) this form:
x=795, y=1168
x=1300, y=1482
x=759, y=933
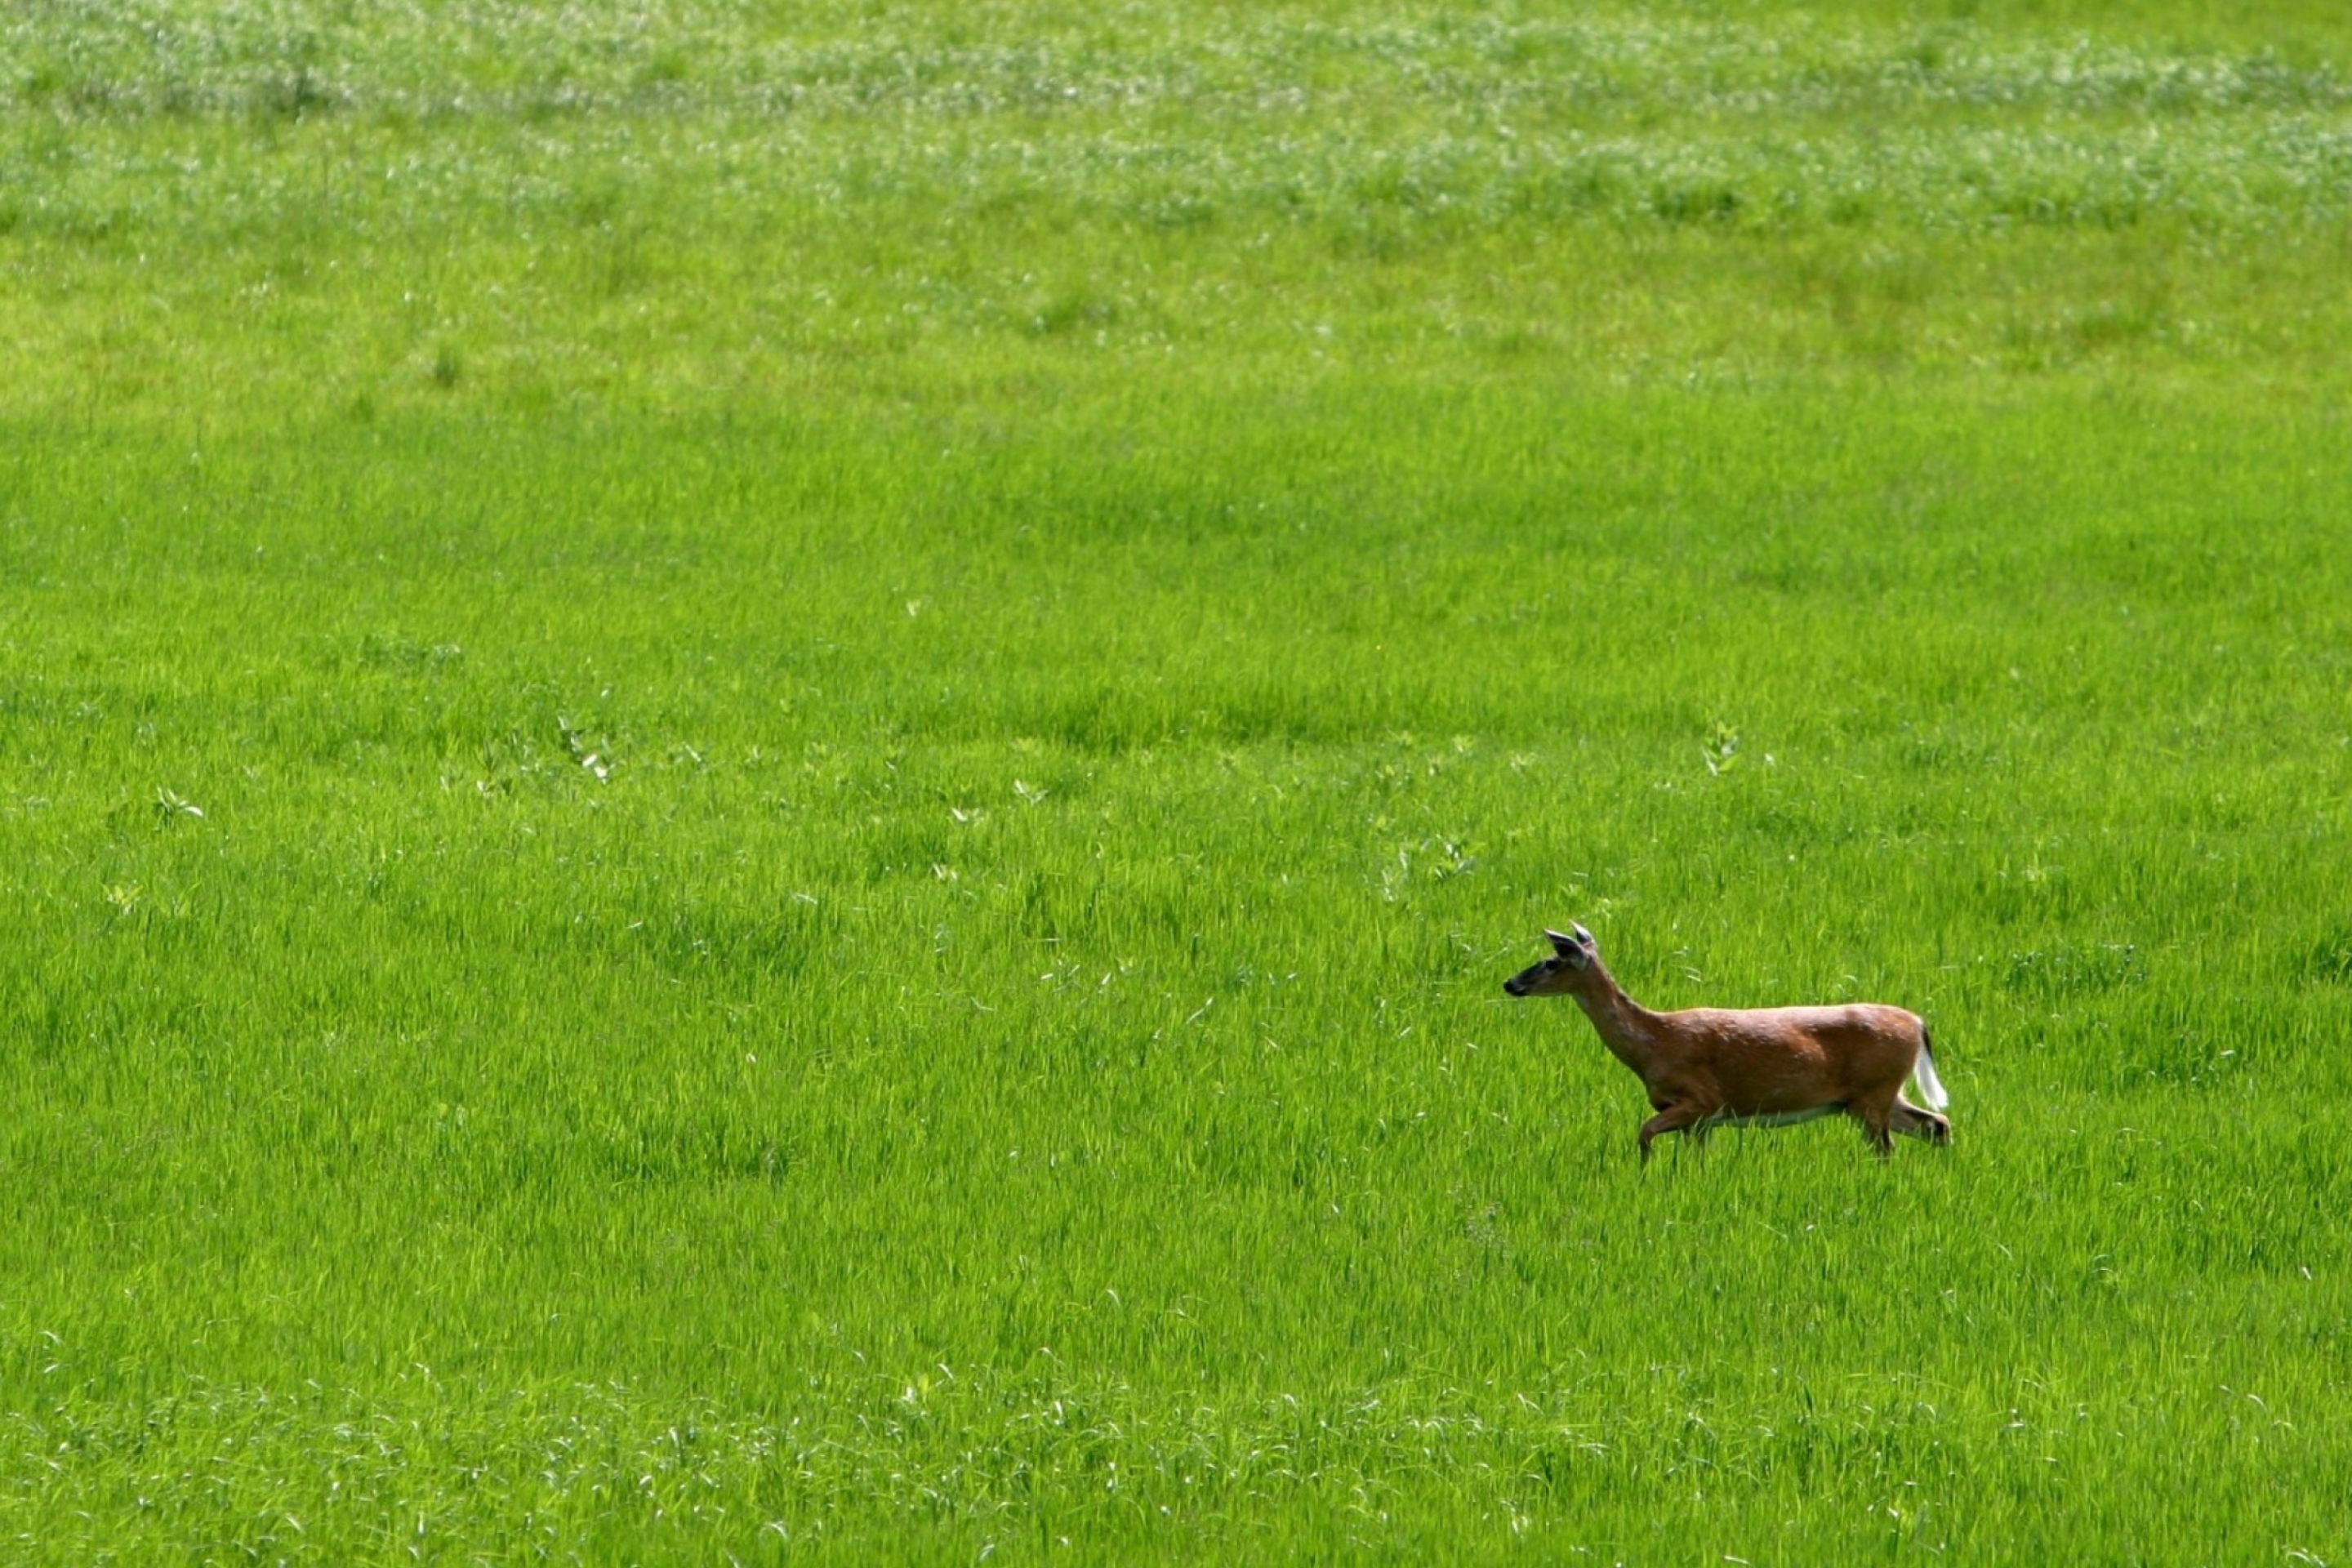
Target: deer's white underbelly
x=1769, y=1117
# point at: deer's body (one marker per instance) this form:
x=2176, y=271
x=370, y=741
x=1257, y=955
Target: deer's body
x=1769, y=1066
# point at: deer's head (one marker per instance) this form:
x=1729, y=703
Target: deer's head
x=1573, y=957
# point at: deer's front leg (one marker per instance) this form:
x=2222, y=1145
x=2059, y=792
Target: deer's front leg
x=1679, y=1117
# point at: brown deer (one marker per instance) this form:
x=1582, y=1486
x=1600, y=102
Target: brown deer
x=1759, y=1066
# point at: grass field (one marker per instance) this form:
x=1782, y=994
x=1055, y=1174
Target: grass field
x=764, y=774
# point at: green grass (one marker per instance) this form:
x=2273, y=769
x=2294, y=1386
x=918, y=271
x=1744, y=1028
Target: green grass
x=764, y=776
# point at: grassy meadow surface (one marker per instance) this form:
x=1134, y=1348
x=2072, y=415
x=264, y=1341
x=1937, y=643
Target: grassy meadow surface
x=764, y=774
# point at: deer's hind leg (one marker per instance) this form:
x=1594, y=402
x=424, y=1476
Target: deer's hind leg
x=1877, y=1113
x=1925, y=1125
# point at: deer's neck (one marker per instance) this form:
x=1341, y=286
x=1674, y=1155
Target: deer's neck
x=1625, y=1027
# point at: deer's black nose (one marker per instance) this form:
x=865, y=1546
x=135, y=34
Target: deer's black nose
x=1514, y=987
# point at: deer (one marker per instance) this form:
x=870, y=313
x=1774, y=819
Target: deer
x=1761, y=1067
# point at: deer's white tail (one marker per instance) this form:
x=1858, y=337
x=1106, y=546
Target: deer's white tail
x=1931, y=1087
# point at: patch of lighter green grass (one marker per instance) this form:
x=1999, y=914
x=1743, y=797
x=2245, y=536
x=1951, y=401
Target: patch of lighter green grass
x=380, y=206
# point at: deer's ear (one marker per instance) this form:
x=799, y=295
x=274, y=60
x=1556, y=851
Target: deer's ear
x=1583, y=937
x=1560, y=943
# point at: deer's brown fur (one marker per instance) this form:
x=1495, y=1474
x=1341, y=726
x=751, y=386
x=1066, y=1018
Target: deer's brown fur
x=1707, y=1066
